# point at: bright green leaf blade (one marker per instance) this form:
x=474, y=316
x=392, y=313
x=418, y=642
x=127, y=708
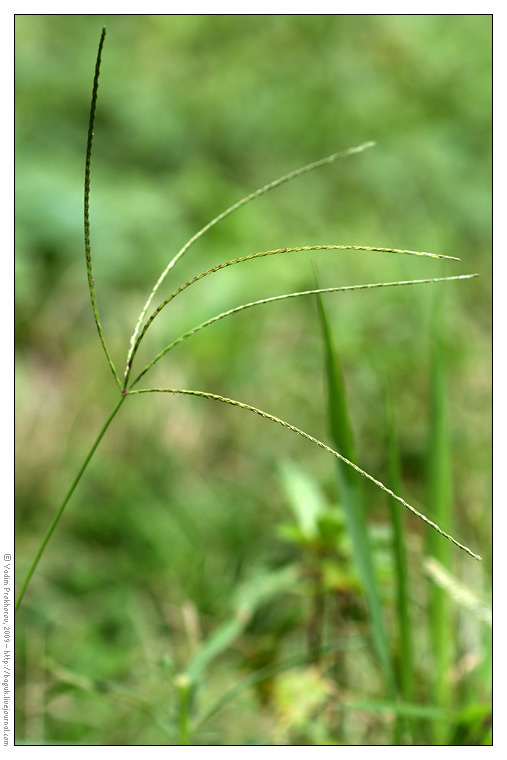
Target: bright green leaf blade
x=350, y=489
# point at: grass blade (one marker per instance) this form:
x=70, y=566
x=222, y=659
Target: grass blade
x=351, y=495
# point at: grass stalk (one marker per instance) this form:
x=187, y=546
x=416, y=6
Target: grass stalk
x=56, y=518
x=138, y=334
x=182, y=720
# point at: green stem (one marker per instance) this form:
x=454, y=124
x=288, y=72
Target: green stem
x=56, y=518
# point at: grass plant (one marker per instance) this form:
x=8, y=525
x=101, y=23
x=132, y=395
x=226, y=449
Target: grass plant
x=398, y=677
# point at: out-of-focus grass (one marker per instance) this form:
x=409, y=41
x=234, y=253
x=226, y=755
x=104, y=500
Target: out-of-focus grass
x=440, y=499
x=183, y=500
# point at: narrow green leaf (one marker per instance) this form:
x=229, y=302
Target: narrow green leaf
x=352, y=499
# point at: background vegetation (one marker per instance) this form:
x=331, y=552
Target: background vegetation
x=183, y=550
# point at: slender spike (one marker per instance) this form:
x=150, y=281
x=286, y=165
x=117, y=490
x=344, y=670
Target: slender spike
x=274, y=252
x=230, y=210
x=238, y=309
x=272, y=418
x=91, y=281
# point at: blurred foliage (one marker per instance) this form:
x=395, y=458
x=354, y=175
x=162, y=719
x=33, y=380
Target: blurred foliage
x=183, y=504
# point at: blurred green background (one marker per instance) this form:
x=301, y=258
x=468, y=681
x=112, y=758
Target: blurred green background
x=184, y=506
